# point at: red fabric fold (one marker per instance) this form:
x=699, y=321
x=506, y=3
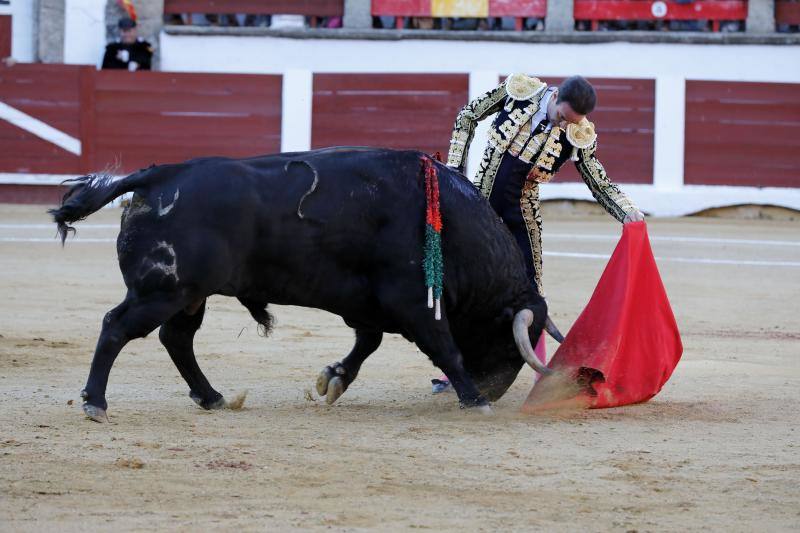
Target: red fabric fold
x=624, y=345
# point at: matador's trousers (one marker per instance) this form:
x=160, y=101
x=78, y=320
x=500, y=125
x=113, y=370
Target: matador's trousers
x=516, y=200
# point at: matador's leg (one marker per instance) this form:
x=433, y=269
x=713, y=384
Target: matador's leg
x=532, y=215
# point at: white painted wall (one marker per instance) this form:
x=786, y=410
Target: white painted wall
x=669, y=64
x=23, y=23
x=624, y=60
x=686, y=200
x=84, y=32
x=296, y=104
x=480, y=81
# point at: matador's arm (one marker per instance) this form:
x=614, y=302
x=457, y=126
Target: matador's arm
x=607, y=194
x=464, y=128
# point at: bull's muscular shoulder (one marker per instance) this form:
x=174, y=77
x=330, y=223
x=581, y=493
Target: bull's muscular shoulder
x=524, y=87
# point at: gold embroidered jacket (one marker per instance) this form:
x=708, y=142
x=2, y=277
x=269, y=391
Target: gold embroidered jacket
x=515, y=102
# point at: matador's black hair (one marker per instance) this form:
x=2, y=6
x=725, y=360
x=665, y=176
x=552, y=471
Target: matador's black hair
x=578, y=93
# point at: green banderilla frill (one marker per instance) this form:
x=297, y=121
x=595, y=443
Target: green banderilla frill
x=433, y=261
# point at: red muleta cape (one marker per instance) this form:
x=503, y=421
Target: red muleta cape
x=624, y=345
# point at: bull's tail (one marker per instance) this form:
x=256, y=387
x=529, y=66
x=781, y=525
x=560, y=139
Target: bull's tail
x=89, y=193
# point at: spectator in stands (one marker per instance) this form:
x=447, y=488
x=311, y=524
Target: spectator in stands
x=257, y=20
x=332, y=22
x=465, y=24
x=729, y=26
x=534, y=23
x=422, y=23
x=130, y=52
x=688, y=25
x=228, y=19
x=174, y=19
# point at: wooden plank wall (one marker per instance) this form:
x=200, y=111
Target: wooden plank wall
x=402, y=8
x=413, y=111
x=624, y=120
x=257, y=7
x=742, y=134
x=736, y=133
x=5, y=36
x=518, y=8
x=460, y=8
x=159, y=117
x=787, y=12
x=31, y=194
x=50, y=93
x=675, y=10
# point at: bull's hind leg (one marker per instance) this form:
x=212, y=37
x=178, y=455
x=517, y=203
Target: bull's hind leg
x=334, y=379
x=133, y=318
x=177, y=336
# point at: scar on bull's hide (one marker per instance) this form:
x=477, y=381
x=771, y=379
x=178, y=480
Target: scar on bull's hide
x=165, y=210
x=310, y=190
x=167, y=265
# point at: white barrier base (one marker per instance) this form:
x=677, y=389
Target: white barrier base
x=653, y=201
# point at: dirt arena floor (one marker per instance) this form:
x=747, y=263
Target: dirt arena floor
x=718, y=449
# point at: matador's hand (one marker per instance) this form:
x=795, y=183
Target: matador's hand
x=633, y=216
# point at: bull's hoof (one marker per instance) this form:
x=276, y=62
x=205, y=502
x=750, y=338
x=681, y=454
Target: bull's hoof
x=335, y=389
x=322, y=383
x=95, y=413
x=218, y=403
x=332, y=382
x=477, y=405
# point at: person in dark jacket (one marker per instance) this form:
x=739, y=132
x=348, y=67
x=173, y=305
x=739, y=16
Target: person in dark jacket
x=130, y=52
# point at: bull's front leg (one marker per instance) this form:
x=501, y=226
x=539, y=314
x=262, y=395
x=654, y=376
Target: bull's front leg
x=337, y=377
x=438, y=344
x=433, y=337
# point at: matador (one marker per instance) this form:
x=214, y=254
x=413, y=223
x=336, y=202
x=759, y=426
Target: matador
x=536, y=130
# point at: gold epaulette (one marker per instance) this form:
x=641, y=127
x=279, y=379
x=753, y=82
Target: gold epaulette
x=581, y=135
x=522, y=87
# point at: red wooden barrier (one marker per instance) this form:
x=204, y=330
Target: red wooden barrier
x=714, y=10
x=625, y=121
x=518, y=8
x=50, y=93
x=401, y=8
x=321, y=8
x=414, y=111
x=159, y=117
x=5, y=36
x=742, y=134
x=497, y=8
x=787, y=12
x=31, y=194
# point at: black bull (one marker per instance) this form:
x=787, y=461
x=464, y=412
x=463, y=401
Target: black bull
x=338, y=229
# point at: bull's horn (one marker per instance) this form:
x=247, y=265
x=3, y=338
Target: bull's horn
x=553, y=330
x=522, y=321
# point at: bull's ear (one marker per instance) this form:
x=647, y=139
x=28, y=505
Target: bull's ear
x=506, y=316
